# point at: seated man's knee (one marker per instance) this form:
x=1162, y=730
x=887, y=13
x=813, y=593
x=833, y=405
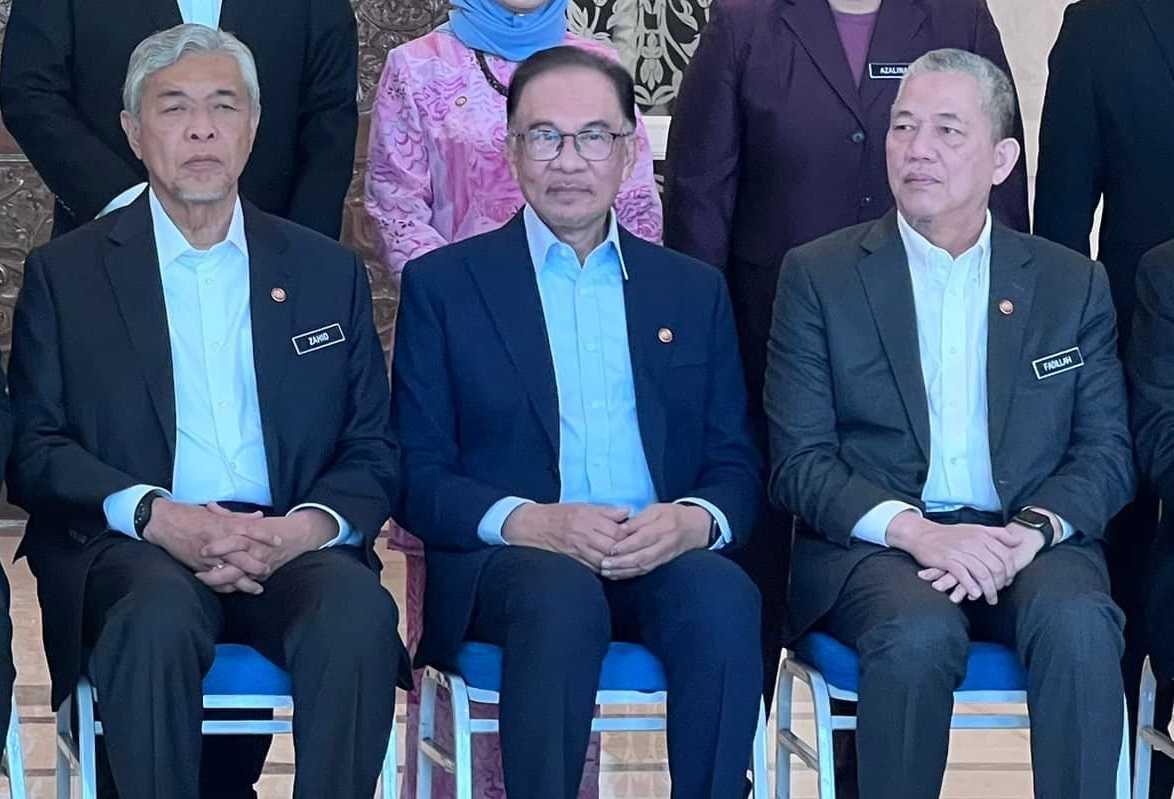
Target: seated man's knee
x=561, y=595
x=354, y=618
x=917, y=644
x=721, y=605
x=1074, y=627
x=161, y=618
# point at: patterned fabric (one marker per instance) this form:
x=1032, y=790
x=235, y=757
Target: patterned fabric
x=437, y=172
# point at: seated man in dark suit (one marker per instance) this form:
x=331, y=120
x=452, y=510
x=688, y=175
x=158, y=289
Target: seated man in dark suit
x=948, y=419
x=204, y=446
x=573, y=420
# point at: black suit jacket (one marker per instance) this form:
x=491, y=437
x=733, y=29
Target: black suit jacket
x=1108, y=133
x=849, y=422
x=61, y=77
x=475, y=401
x=92, y=390
x=1151, y=381
x=773, y=144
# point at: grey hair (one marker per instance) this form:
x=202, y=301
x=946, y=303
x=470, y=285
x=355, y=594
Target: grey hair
x=998, y=94
x=165, y=48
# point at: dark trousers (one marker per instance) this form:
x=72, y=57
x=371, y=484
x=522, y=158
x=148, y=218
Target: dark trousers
x=554, y=619
x=152, y=628
x=912, y=643
x=1128, y=551
x=7, y=670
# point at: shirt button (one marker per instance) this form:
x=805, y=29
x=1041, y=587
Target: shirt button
x=207, y=281
x=953, y=350
x=223, y=403
x=596, y=405
x=591, y=346
x=857, y=137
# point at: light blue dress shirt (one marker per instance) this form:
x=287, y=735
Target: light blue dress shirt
x=219, y=446
x=601, y=455
x=202, y=12
x=951, y=297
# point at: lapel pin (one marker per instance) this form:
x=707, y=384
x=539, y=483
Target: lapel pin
x=1006, y=307
x=278, y=294
x=665, y=335
x=461, y=100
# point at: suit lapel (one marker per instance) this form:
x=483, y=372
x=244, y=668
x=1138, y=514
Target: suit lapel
x=163, y=14
x=1010, y=280
x=885, y=273
x=1160, y=16
x=504, y=274
x=815, y=28
x=132, y=265
x=897, y=24
x=231, y=15
x=272, y=323
x=649, y=309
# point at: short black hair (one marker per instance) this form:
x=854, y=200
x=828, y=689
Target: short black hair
x=568, y=57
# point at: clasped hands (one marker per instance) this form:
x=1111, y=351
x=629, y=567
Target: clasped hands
x=965, y=561
x=230, y=551
x=606, y=539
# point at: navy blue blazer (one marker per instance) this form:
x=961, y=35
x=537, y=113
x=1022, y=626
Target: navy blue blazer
x=476, y=406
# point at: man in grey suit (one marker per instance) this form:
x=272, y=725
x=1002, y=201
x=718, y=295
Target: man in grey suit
x=948, y=420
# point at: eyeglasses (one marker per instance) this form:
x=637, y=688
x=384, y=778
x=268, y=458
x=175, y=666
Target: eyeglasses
x=545, y=144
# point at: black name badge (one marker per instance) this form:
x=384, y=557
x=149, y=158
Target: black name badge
x=887, y=71
x=1057, y=363
x=319, y=339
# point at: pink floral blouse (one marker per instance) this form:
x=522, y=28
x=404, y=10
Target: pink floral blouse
x=436, y=169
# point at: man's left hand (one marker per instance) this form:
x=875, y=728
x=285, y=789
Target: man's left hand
x=655, y=536
x=251, y=556
x=1023, y=542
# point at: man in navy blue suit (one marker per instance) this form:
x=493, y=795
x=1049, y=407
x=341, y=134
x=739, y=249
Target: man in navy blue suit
x=573, y=422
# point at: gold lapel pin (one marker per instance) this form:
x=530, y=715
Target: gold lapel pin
x=461, y=100
x=1006, y=307
x=665, y=335
x=278, y=294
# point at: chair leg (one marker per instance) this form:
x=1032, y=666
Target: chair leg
x=425, y=731
x=389, y=777
x=1143, y=758
x=759, y=771
x=64, y=771
x=462, y=738
x=14, y=757
x=825, y=754
x=87, y=740
x=784, y=696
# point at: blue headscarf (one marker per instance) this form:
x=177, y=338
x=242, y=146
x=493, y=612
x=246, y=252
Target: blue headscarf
x=487, y=25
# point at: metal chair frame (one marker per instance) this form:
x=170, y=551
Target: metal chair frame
x=460, y=762
x=13, y=764
x=1149, y=738
x=820, y=756
x=80, y=754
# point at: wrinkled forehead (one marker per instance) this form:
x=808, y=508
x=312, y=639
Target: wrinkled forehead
x=197, y=76
x=569, y=99
x=933, y=95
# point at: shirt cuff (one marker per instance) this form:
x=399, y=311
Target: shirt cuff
x=491, y=524
x=347, y=535
x=119, y=507
x=873, y=526
x=723, y=524
x=124, y=199
x=1066, y=530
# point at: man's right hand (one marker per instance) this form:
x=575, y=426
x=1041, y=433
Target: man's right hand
x=585, y=532
x=184, y=530
x=972, y=554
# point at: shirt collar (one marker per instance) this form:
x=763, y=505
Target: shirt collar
x=170, y=242
x=541, y=239
x=920, y=249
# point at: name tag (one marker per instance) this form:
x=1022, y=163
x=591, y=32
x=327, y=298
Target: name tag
x=883, y=71
x=1057, y=363
x=318, y=339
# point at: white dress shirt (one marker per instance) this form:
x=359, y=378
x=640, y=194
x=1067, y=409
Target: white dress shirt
x=219, y=446
x=951, y=296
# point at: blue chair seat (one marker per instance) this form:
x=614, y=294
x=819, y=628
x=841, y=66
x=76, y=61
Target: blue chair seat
x=626, y=667
x=240, y=669
x=989, y=667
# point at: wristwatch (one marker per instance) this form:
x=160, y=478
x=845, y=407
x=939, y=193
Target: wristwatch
x=1036, y=521
x=142, y=515
x=715, y=531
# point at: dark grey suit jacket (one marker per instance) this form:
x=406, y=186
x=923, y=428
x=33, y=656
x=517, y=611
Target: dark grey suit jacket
x=849, y=423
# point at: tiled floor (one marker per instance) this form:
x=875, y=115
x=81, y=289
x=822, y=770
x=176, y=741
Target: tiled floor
x=990, y=765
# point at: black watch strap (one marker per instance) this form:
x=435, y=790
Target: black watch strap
x=1037, y=521
x=142, y=516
